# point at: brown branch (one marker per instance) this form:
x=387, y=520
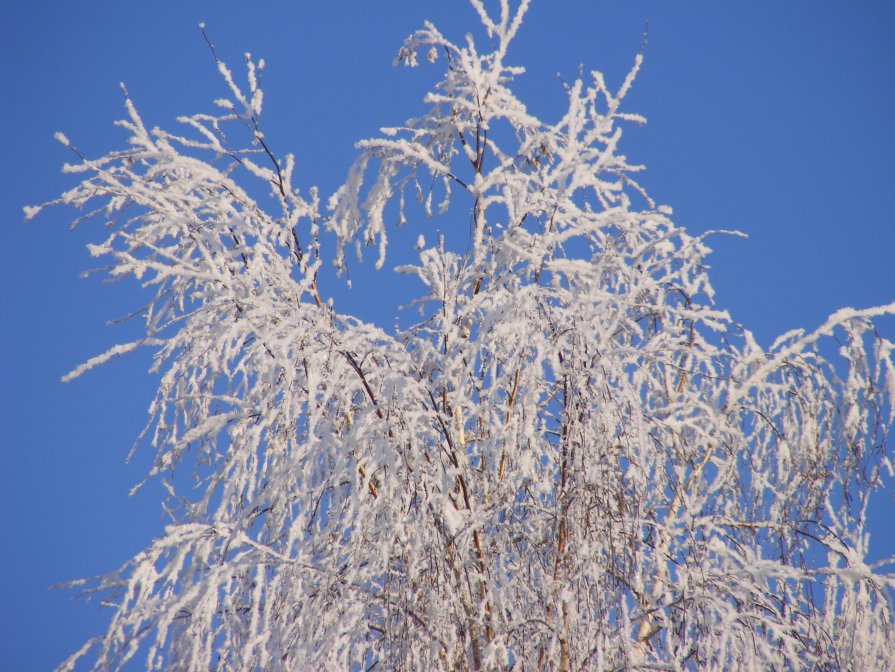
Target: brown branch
x=467, y=503
x=360, y=468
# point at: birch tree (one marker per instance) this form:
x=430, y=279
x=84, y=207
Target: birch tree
x=572, y=459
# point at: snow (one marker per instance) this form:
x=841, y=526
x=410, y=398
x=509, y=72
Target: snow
x=572, y=456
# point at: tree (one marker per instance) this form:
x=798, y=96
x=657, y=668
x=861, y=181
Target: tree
x=573, y=460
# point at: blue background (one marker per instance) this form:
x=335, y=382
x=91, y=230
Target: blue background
x=775, y=118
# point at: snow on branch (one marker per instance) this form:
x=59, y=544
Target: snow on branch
x=573, y=460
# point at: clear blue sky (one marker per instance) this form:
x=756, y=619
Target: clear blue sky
x=775, y=118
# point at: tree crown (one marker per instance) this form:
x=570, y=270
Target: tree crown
x=572, y=460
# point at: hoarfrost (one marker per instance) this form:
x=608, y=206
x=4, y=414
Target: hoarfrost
x=573, y=461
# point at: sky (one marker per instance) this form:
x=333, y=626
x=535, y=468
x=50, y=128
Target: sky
x=773, y=118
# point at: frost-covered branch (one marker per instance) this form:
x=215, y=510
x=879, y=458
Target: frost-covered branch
x=574, y=460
